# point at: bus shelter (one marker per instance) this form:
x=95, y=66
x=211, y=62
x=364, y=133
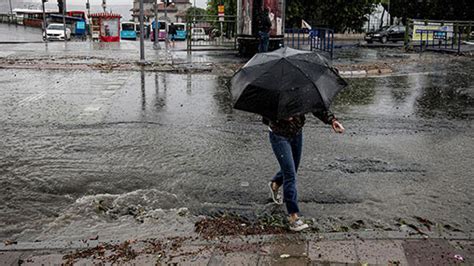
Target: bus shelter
x=105, y=27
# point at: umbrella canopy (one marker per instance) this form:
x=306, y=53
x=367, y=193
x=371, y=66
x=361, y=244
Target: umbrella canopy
x=284, y=83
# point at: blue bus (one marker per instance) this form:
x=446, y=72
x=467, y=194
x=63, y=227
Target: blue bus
x=180, y=31
x=127, y=31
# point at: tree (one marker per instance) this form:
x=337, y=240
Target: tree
x=340, y=15
x=230, y=7
x=432, y=9
x=194, y=11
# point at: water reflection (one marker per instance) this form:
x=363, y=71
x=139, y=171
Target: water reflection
x=428, y=96
x=445, y=102
x=142, y=83
x=399, y=88
x=206, y=99
x=359, y=92
x=223, y=96
x=160, y=95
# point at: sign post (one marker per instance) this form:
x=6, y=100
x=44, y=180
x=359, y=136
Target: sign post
x=221, y=14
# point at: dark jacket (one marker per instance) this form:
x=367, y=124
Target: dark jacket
x=291, y=128
x=265, y=24
x=172, y=30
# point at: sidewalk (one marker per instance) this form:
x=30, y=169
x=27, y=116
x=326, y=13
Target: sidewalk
x=362, y=248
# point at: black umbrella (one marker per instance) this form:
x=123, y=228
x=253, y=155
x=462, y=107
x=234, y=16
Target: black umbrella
x=284, y=83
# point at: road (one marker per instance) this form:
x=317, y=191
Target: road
x=116, y=152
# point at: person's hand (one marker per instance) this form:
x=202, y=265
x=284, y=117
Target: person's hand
x=337, y=127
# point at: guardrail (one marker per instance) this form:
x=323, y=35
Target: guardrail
x=315, y=39
x=440, y=40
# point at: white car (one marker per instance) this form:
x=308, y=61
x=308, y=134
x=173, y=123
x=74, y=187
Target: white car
x=199, y=34
x=56, y=32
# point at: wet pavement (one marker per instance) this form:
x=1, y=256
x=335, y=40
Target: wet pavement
x=89, y=152
x=19, y=33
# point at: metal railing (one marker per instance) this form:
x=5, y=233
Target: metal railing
x=321, y=39
x=211, y=32
x=460, y=30
x=440, y=40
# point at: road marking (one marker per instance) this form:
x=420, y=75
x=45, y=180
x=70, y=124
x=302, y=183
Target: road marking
x=31, y=98
x=113, y=87
x=90, y=109
x=393, y=75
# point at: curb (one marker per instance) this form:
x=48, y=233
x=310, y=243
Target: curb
x=362, y=248
x=361, y=73
x=364, y=235
x=19, y=42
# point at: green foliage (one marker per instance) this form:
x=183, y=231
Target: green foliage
x=433, y=9
x=230, y=7
x=194, y=11
x=340, y=15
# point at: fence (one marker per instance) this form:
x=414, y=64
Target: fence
x=437, y=34
x=211, y=32
x=440, y=40
x=321, y=39
x=7, y=18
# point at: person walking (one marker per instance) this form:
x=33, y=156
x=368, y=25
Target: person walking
x=286, y=138
x=172, y=33
x=264, y=27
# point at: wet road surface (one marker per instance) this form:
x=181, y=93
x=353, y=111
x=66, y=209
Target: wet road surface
x=88, y=152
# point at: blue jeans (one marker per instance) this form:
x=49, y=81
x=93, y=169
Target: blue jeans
x=288, y=154
x=264, y=40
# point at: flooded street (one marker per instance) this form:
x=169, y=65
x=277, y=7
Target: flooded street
x=88, y=152
x=91, y=152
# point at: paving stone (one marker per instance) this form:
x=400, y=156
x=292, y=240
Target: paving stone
x=234, y=259
x=465, y=247
x=432, y=252
x=342, y=251
x=380, y=252
x=10, y=258
x=293, y=248
x=189, y=255
x=46, y=260
x=291, y=261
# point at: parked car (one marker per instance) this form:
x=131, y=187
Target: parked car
x=199, y=34
x=388, y=33
x=56, y=32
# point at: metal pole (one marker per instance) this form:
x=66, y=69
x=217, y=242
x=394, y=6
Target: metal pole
x=89, y=21
x=11, y=12
x=44, y=23
x=167, y=26
x=64, y=20
x=142, y=32
x=156, y=43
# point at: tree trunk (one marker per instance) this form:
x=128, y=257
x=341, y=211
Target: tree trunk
x=381, y=18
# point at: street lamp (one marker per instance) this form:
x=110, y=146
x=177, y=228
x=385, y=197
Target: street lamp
x=142, y=31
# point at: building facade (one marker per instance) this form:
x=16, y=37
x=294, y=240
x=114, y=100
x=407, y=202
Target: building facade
x=172, y=13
